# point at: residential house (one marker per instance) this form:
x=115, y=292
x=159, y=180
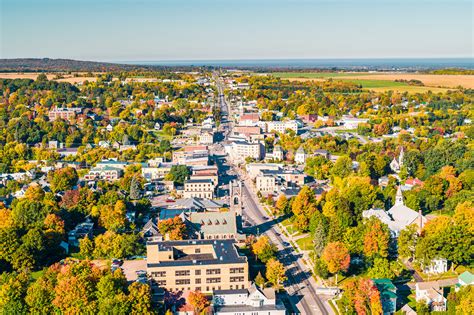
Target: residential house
x=278, y=153
x=388, y=295
x=300, y=156
x=437, y=266
x=432, y=294
x=249, y=119
x=80, y=231
x=107, y=173
x=464, y=279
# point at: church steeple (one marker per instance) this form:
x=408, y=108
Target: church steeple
x=400, y=157
x=399, y=197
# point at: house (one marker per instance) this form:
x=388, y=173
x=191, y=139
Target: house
x=109, y=128
x=397, y=164
x=107, y=173
x=350, y=122
x=197, y=265
x=407, y=310
x=399, y=216
x=200, y=188
x=437, y=266
x=300, y=156
x=278, y=153
x=309, y=118
x=249, y=119
x=206, y=137
x=388, y=295
x=465, y=278
x=251, y=301
x=432, y=294
x=323, y=153
x=80, y=231
x=151, y=232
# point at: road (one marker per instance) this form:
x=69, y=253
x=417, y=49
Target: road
x=300, y=285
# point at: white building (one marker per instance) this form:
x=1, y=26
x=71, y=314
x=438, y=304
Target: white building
x=300, y=156
x=437, y=266
x=278, y=153
x=432, y=294
x=397, y=164
x=350, y=122
x=254, y=301
x=282, y=126
x=265, y=184
x=398, y=217
x=206, y=137
x=199, y=188
x=240, y=150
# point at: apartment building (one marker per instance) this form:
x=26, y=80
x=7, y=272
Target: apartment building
x=240, y=150
x=282, y=126
x=199, y=188
x=63, y=113
x=203, y=265
x=104, y=173
x=265, y=184
x=206, y=137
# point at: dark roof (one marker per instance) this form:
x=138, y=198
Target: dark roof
x=225, y=250
x=195, y=181
x=230, y=291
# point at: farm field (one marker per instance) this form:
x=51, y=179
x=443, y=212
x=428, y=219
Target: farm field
x=433, y=82
x=33, y=75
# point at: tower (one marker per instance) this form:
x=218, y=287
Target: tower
x=400, y=157
x=399, y=197
x=235, y=196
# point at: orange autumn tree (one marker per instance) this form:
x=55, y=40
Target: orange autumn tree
x=363, y=296
x=376, y=239
x=173, y=227
x=198, y=301
x=337, y=258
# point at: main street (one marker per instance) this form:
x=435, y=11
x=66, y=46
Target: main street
x=300, y=285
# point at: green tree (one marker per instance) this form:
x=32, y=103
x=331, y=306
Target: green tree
x=342, y=167
x=178, y=174
x=263, y=249
x=134, y=189
x=140, y=299
x=380, y=269
x=86, y=248
x=303, y=207
x=407, y=241
x=259, y=280
x=275, y=273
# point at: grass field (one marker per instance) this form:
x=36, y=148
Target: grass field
x=305, y=243
x=310, y=75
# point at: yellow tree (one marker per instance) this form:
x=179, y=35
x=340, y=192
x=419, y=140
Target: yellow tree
x=275, y=273
x=198, y=301
x=263, y=249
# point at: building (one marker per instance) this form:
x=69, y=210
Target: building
x=432, y=294
x=254, y=169
x=249, y=119
x=278, y=153
x=309, y=118
x=397, y=164
x=81, y=230
x=282, y=126
x=240, y=150
x=63, y=113
x=212, y=225
x=350, y=122
x=206, y=137
x=300, y=156
x=197, y=265
x=192, y=156
x=107, y=173
x=465, y=278
x=437, y=266
x=200, y=188
x=265, y=184
x=399, y=216
x=152, y=173
x=388, y=295
x=323, y=153
x=252, y=301
x=206, y=172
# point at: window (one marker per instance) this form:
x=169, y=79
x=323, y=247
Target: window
x=161, y=282
x=197, y=251
x=158, y=274
x=213, y=280
x=182, y=273
x=198, y=288
x=213, y=272
x=236, y=279
x=182, y=281
x=197, y=272
x=198, y=281
x=236, y=270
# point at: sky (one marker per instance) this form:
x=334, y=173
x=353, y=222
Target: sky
x=146, y=30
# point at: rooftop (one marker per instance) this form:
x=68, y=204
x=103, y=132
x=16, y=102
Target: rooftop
x=197, y=181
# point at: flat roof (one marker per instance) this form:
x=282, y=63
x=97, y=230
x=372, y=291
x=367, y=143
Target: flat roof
x=195, y=181
x=225, y=251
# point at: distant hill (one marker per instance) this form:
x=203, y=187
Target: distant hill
x=53, y=65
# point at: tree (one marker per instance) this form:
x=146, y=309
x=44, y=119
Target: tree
x=26, y=213
x=303, y=207
x=62, y=179
x=319, y=239
x=198, y=301
x=275, y=273
x=362, y=296
x=376, y=238
x=113, y=217
x=263, y=249
x=86, y=248
x=381, y=269
x=337, y=258
x=178, y=174
x=342, y=167
x=173, y=228
x=140, y=298
x=40, y=294
x=134, y=188
x=259, y=280
x=281, y=204
x=407, y=241
x=34, y=193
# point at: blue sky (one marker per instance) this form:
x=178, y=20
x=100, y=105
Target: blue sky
x=129, y=30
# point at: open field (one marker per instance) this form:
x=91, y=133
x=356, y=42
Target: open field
x=434, y=82
x=33, y=75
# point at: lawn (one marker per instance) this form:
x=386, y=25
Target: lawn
x=305, y=243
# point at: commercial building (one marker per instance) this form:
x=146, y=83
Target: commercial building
x=206, y=137
x=202, y=265
x=104, y=173
x=265, y=184
x=254, y=301
x=240, y=150
x=63, y=113
x=282, y=126
x=200, y=188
